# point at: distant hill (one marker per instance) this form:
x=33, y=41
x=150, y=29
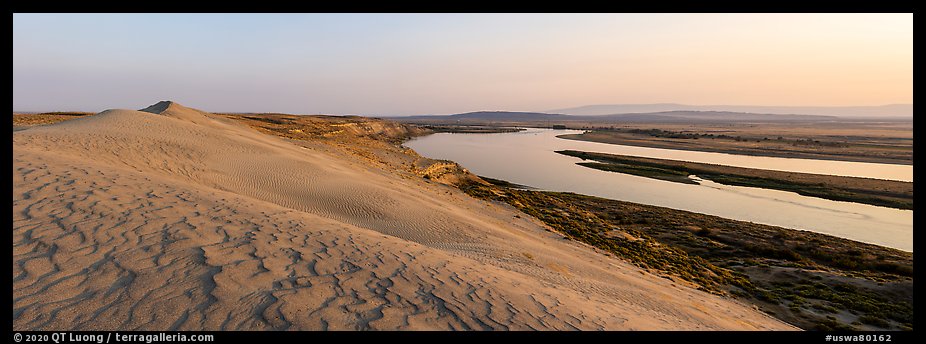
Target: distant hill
x=493, y=116
x=892, y=110
x=661, y=117
x=707, y=116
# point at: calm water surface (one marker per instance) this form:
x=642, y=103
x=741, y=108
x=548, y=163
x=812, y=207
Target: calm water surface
x=831, y=167
x=527, y=157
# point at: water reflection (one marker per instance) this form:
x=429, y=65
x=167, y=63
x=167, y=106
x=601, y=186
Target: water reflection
x=528, y=158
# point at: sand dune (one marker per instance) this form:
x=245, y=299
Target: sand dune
x=172, y=218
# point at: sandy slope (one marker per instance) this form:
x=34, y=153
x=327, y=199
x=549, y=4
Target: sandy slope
x=171, y=218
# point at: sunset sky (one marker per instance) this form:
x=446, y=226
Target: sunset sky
x=407, y=64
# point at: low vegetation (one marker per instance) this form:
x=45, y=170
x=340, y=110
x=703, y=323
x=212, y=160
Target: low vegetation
x=468, y=129
x=329, y=128
x=880, y=142
x=659, y=133
x=31, y=119
x=641, y=170
x=811, y=280
x=885, y=193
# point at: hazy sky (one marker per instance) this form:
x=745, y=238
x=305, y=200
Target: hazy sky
x=404, y=64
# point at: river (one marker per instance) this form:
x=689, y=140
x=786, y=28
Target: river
x=528, y=158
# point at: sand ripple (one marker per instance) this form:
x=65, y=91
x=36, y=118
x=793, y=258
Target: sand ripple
x=176, y=220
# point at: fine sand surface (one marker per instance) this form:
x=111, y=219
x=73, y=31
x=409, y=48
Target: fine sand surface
x=175, y=219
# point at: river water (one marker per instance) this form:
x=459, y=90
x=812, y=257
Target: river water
x=528, y=158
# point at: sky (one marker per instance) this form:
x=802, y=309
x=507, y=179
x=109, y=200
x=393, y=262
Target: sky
x=411, y=64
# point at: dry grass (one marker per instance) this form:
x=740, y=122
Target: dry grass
x=376, y=141
x=30, y=119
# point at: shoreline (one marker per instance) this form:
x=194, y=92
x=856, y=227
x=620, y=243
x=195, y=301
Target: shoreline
x=211, y=211
x=811, y=280
x=468, y=129
x=861, y=286
x=772, y=154
x=877, y=192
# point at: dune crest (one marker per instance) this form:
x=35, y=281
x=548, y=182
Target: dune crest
x=175, y=110
x=174, y=218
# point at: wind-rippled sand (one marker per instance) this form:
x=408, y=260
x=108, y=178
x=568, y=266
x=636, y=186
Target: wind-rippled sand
x=175, y=219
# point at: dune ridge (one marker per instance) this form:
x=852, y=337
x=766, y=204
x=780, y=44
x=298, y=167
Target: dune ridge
x=171, y=218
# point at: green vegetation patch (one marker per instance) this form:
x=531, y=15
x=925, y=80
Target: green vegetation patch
x=643, y=171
